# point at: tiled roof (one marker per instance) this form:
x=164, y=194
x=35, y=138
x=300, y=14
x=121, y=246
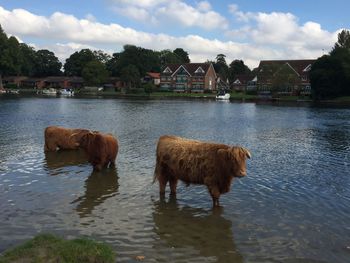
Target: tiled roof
x=190, y=68
x=154, y=75
x=297, y=65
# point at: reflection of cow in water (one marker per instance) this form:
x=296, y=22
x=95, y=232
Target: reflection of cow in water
x=99, y=186
x=193, y=228
x=60, y=159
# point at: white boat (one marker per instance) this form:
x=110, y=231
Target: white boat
x=50, y=91
x=12, y=91
x=66, y=92
x=223, y=96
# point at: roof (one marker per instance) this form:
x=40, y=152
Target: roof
x=154, y=75
x=299, y=66
x=243, y=78
x=191, y=68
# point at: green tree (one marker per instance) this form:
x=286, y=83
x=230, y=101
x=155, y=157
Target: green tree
x=167, y=57
x=145, y=60
x=182, y=54
x=95, y=73
x=77, y=61
x=237, y=67
x=330, y=74
x=47, y=64
x=327, y=78
x=130, y=75
x=28, y=60
x=221, y=67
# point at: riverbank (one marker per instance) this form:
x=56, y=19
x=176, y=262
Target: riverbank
x=50, y=248
x=234, y=96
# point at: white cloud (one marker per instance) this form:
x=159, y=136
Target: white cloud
x=176, y=11
x=188, y=16
x=204, y=6
x=264, y=38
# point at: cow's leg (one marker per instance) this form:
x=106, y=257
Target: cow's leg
x=173, y=184
x=50, y=147
x=163, y=180
x=215, y=195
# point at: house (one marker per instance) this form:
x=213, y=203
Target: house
x=14, y=80
x=241, y=82
x=286, y=77
x=152, y=77
x=189, y=77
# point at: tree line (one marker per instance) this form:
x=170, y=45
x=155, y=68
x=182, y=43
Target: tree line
x=95, y=66
x=330, y=74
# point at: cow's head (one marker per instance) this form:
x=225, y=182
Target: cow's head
x=235, y=159
x=87, y=139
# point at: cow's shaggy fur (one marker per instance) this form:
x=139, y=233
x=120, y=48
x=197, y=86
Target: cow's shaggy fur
x=60, y=138
x=196, y=162
x=101, y=149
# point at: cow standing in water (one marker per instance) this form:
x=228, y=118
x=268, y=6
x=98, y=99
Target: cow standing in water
x=101, y=149
x=196, y=162
x=60, y=138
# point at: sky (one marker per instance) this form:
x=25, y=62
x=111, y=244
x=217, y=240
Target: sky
x=250, y=30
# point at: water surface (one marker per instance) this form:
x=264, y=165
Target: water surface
x=292, y=207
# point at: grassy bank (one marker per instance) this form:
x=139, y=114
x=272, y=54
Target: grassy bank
x=49, y=248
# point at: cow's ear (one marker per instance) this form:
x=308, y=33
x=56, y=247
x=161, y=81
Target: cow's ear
x=223, y=153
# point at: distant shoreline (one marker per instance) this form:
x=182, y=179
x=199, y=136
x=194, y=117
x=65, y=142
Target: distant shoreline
x=342, y=101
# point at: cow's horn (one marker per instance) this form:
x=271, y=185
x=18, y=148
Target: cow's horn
x=248, y=153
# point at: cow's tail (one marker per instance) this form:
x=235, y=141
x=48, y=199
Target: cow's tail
x=156, y=173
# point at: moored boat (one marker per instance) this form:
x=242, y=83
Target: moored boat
x=50, y=91
x=65, y=92
x=223, y=96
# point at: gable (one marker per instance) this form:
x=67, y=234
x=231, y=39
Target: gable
x=199, y=70
x=181, y=71
x=308, y=68
x=167, y=70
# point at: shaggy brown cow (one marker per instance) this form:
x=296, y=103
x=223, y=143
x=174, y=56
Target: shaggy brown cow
x=196, y=162
x=62, y=138
x=101, y=149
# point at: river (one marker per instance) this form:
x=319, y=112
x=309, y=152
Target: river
x=293, y=206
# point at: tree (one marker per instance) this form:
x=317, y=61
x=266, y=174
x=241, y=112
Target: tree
x=130, y=75
x=221, y=67
x=47, y=64
x=237, y=67
x=330, y=74
x=77, y=61
x=327, y=78
x=29, y=60
x=343, y=40
x=182, y=54
x=145, y=60
x=95, y=73
x=167, y=57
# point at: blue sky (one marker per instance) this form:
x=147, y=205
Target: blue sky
x=251, y=30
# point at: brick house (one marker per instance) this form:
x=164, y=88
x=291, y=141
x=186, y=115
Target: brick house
x=287, y=77
x=189, y=77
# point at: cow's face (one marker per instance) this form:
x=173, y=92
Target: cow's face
x=87, y=139
x=236, y=160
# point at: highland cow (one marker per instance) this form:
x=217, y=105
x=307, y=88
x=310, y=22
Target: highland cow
x=60, y=138
x=101, y=149
x=196, y=162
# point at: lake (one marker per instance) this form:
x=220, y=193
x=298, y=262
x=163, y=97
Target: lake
x=293, y=206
